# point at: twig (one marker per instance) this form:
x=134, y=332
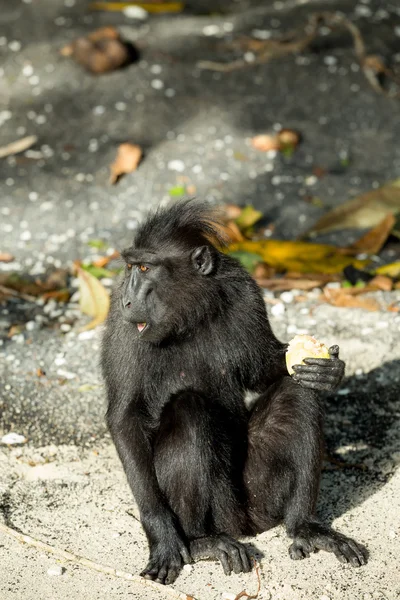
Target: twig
x=18, y=146
x=244, y=594
x=371, y=65
x=85, y=562
x=10, y=292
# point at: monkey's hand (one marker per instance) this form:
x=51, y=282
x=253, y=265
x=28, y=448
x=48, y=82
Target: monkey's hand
x=323, y=374
x=167, y=558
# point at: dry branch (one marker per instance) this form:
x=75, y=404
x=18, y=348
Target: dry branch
x=85, y=562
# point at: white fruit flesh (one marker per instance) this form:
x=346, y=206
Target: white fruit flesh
x=301, y=347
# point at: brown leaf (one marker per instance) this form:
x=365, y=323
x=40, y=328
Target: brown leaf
x=127, y=160
x=288, y=138
x=40, y=372
x=265, y=142
x=263, y=271
x=381, y=282
x=373, y=241
x=104, y=260
x=362, y=212
x=229, y=231
x=100, y=52
x=341, y=298
x=231, y=211
x=281, y=284
x=6, y=257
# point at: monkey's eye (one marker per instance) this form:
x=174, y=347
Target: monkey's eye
x=143, y=268
x=128, y=266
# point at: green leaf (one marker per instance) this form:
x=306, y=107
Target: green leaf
x=99, y=244
x=249, y=260
x=178, y=190
x=98, y=272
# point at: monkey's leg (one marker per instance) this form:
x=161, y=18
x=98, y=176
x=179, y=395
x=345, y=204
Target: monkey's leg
x=196, y=461
x=283, y=469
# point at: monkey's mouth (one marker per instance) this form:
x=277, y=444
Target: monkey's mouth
x=141, y=327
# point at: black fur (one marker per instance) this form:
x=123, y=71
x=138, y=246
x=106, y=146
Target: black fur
x=203, y=469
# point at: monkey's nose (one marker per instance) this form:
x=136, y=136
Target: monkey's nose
x=128, y=304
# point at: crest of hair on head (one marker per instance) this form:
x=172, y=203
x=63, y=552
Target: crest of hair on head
x=189, y=223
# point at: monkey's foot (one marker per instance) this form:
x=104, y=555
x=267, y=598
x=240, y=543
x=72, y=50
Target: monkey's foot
x=313, y=536
x=232, y=554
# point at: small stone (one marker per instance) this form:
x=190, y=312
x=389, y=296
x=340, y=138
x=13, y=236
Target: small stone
x=187, y=568
x=55, y=570
x=86, y=335
x=135, y=12
x=176, y=165
x=278, y=309
x=66, y=374
x=287, y=297
x=157, y=84
x=211, y=30
x=343, y=392
x=31, y=325
x=13, y=438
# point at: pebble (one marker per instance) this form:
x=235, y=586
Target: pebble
x=287, y=297
x=31, y=325
x=13, y=438
x=86, y=335
x=176, y=165
x=135, y=12
x=157, y=84
x=55, y=570
x=343, y=392
x=278, y=309
x=210, y=30
x=187, y=568
x=228, y=596
x=66, y=374
x=65, y=327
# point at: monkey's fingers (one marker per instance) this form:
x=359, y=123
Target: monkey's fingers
x=187, y=559
x=334, y=351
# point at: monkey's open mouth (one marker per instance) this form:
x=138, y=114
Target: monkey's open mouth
x=141, y=327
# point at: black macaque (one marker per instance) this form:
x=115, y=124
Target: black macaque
x=187, y=336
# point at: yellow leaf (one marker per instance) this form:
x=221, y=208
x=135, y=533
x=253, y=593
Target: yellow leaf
x=94, y=298
x=150, y=7
x=248, y=217
x=393, y=269
x=302, y=257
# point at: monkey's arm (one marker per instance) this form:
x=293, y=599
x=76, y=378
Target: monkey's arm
x=325, y=374
x=168, y=549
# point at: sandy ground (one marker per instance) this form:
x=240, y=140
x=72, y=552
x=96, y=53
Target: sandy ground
x=65, y=486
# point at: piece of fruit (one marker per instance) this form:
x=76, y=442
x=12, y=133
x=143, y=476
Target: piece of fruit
x=301, y=347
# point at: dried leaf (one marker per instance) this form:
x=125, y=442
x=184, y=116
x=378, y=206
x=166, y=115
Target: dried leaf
x=392, y=269
x=263, y=271
x=229, y=231
x=381, y=282
x=373, y=241
x=104, y=260
x=101, y=51
x=283, y=283
x=127, y=160
x=301, y=257
x=265, y=142
x=94, y=299
x=341, y=298
x=150, y=7
x=18, y=146
x=231, y=211
x=6, y=257
x=362, y=212
x=58, y=295
x=248, y=217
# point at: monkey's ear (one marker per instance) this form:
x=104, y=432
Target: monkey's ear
x=202, y=260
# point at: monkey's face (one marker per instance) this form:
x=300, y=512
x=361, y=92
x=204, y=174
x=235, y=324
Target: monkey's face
x=161, y=294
